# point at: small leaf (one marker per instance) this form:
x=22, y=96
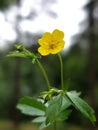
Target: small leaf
x=33, y=60
x=22, y=52
x=17, y=54
x=82, y=106
x=39, y=119
x=31, y=106
x=52, y=92
x=20, y=47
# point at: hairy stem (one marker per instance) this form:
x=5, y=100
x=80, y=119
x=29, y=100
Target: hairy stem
x=44, y=74
x=61, y=63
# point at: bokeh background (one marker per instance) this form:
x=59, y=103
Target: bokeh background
x=24, y=21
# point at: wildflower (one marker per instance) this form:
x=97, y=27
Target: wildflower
x=51, y=43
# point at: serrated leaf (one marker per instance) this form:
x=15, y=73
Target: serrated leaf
x=53, y=109
x=82, y=106
x=63, y=115
x=31, y=106
x=65, y=102
x=75, y=93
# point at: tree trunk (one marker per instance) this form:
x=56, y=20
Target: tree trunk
x=91, y=59
x=15, y=96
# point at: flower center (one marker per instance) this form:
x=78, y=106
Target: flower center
x=52, y=46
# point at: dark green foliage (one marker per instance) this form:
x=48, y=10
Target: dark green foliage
x=5, y=3
x=81, y=106
x=55, y=109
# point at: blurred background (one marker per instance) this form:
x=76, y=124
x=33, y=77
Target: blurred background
x=24, y=21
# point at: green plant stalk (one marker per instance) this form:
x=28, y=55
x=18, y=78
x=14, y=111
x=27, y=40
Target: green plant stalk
x=61, y=63
x=44, y=74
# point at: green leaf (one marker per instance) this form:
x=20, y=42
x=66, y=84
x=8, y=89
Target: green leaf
x=65, y=102
x=82, y=106
x=33, y=60
x=22, y=52
x=20, y=47
x=31, y=106
x=64, y=115
x=43, y=125
x=17, y=54
x=39, y=119
x=53, y=109
x=56, y=105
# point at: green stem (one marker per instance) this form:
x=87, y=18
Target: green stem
x=61, y=63
x=44, y=74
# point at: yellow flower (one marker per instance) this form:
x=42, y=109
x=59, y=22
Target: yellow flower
x=51, y=43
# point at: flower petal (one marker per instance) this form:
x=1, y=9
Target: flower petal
x=57, y=35
x=43, y=51
x=46, y=39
